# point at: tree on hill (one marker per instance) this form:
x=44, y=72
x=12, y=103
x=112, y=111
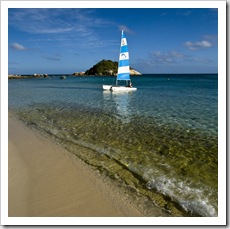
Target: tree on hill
x=107, y=68
x=104, y=67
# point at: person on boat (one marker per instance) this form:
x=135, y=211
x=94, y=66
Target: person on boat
x=130, y=84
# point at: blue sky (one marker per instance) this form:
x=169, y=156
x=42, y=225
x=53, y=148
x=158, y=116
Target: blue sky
x=163, y=40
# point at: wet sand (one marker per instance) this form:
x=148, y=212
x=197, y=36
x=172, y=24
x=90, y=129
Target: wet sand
x=43, y=180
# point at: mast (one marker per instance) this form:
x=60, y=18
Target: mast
x=123, y=65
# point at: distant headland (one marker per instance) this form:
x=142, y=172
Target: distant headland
x=107, y=67
x=102, y=68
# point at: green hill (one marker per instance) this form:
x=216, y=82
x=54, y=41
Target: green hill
x=104, y=67
x=107, y=68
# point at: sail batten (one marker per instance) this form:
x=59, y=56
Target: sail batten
x=123, y=65
x=123, y=69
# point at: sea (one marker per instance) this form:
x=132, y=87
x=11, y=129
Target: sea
x=159, y=143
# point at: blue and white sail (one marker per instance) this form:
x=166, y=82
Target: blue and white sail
x=123, y=65
x=123, y=73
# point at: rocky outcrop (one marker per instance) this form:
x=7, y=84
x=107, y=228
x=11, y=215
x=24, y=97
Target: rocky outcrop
x=28, y=76
x=134, y=72
x=78, y=73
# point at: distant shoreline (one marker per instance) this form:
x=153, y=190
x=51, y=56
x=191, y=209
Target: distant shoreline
x=29, y=76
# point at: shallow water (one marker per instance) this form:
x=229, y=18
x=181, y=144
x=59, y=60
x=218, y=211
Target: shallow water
x=160, y=141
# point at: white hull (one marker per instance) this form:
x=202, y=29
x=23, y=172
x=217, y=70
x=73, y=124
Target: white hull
x=107, y=87
x=118, y=88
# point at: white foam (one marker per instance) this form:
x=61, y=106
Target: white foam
x=185, y=193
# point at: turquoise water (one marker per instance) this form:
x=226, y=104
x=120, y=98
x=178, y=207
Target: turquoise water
x=161, y=140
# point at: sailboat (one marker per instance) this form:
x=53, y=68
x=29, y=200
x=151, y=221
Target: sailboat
x=123, y=74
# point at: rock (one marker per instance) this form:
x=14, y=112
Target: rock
x=134, y=72
x=78, y=73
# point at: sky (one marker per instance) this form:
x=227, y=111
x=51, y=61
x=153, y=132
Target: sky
x=67, y=40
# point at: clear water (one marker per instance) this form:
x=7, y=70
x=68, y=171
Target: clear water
x=161, y=140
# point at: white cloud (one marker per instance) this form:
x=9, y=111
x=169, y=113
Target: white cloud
x=171, y=58
x=55, y=30
x=125, y=28
x=38, y=21
x=198, y=45
x=168, y=57
x=210, y=37
x=48, y=21
x=18, y=47
x=72, y=27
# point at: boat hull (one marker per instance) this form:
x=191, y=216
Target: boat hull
x=106, y=87
x=118, y=88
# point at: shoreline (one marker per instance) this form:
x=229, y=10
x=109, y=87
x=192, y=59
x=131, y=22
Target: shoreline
x=44, y=179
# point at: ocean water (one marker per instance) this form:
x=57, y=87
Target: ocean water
x=159, y=142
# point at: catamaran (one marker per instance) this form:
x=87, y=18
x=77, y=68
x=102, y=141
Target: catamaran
x=123, y=74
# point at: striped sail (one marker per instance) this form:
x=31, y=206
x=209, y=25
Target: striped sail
x=123, y=65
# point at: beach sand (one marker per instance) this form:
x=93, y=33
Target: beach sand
x=44, y=180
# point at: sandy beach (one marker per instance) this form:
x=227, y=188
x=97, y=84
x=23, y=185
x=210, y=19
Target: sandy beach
x=45, y=181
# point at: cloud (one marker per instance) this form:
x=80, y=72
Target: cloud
x=56, y=21
x=17, y=46
x=212, y=38
x=171, y=58
x=75, y=27
x=52, y=58
x=125, y=28
x=38, y=21
x=55, y=30
x=198, y=45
